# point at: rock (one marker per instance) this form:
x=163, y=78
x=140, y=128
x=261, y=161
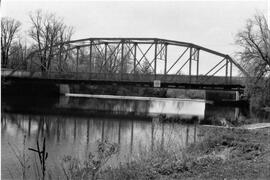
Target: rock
x=225, y=123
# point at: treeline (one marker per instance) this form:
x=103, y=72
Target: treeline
x=42, y=48
x=46, y=30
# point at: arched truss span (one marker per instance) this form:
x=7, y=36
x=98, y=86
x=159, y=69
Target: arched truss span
x=137, y=59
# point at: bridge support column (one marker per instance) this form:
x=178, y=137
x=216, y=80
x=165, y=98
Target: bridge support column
x=63, y=100
x=63, y=89
x=237, y=96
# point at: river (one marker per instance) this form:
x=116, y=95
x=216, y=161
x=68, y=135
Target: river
x=72, y=125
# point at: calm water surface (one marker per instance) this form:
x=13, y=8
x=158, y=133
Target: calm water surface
x=73, y=125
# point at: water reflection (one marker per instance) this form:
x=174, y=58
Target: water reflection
x=151, y=107
x=74, y=106
x=77, y=136
x=61, y=130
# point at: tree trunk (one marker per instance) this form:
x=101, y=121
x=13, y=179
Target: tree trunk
x=4, y=59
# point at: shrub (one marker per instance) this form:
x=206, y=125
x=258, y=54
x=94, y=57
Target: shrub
x=89, y=169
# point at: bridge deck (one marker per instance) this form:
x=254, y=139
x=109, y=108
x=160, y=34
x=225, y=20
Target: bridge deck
x=173, y=81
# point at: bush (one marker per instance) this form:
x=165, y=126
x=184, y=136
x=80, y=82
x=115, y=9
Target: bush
x=89, y=169
x=259, y=94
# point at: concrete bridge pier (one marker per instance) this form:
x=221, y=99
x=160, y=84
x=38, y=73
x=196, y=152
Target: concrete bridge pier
x=237, y=95
x=63, y=89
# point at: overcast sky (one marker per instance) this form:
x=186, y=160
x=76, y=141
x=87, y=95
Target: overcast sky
x=209, y=23
x=212, y=24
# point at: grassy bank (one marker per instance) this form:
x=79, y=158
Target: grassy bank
x=224, y=153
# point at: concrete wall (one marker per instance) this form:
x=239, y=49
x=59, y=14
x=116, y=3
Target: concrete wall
x=63, y=89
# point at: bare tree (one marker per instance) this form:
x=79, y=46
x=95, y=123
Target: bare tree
x=113, y=63
x=47, y=31
x=255, y=57
x=9, y=28
x=146, y=68
x=18, y=54
x=255, y=41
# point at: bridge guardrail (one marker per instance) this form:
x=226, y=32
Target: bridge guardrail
x=127, y=77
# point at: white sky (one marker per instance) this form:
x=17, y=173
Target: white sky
x=212, y=24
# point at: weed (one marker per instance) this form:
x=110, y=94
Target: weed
x=43, y=155
x=75, y=169
x=22, y=157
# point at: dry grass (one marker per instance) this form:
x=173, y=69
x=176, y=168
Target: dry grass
x=224, y=153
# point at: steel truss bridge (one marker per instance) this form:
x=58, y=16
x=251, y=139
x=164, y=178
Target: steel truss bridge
x=131, y=61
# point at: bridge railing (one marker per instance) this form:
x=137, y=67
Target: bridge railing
x=125, y=77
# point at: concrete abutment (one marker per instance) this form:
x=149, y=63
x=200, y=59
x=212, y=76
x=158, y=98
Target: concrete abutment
x=34, y=89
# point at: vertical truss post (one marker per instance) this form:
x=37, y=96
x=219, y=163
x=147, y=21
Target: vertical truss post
x=155, y=59
x=226, y=71
x=165, y=59
x=60, y=58
x=105, y=56
x=77, y=61
x=190, y=63
x=31, y=62
x=90, y=56
x=198, y=60
x=231, y=72
x=122, y=59
x=111, y=52
x=134, y=57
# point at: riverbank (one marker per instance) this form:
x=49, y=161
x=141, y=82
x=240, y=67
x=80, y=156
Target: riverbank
x=223, y=153
x=219, y=153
